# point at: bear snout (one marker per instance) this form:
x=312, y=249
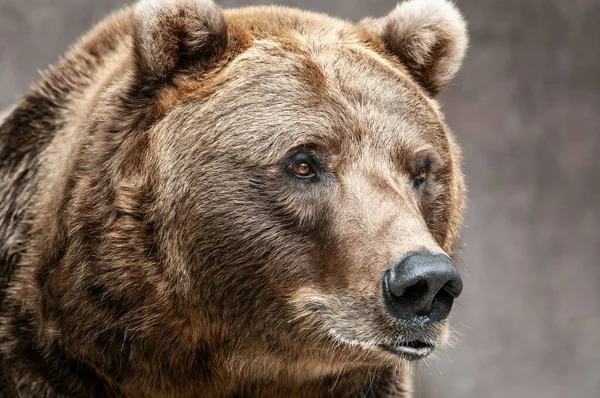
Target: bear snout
x=421, y=286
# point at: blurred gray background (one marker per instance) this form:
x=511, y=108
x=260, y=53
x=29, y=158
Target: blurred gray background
x=526, y=109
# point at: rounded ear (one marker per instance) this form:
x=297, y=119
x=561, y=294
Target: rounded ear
x=428, y=36
x=171, y=32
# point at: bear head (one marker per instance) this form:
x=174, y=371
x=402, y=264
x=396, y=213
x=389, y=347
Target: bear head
x=257, y=188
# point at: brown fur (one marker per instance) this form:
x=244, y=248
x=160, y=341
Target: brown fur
x=153, y=243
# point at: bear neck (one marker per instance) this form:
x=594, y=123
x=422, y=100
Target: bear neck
x=59, y=374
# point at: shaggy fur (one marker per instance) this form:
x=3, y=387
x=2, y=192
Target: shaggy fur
x=153, y=240
x=429, y=37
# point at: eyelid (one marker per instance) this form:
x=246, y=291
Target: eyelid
x=314, y=159
x=429, y=160
x=302, y=155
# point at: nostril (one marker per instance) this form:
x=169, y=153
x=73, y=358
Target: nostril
x=453, y=287
x=415, y=291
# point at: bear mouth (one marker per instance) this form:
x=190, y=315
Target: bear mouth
x=410, y=350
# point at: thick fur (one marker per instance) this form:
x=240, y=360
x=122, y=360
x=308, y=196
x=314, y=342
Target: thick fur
x=429, y=37
x=154, y=242
x=171, y=31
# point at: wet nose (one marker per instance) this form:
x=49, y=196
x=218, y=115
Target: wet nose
x=421, y=285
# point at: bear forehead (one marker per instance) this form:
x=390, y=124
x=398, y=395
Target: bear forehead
x=308, y=79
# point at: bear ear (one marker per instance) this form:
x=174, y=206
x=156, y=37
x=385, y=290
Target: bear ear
x=428, y=36
x=169, y=33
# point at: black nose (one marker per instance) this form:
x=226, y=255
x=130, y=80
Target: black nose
x=421, y=285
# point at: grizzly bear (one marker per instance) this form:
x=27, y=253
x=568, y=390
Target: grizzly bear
x=252, y=202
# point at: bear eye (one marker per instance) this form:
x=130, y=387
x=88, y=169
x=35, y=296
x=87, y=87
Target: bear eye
x=302, y=169
x=421, y=176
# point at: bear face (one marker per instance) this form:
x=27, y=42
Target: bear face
x=326, y=96
x=238, y=189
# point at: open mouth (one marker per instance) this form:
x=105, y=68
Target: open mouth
x=410, y=350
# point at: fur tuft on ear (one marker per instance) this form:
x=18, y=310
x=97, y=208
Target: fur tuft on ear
x=428, y=36
x=168, y=32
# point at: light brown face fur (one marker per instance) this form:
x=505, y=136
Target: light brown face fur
x=181, y=238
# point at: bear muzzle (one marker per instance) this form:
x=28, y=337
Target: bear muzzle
x=420, y=289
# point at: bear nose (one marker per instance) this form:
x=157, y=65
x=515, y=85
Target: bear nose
x=421, y=284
